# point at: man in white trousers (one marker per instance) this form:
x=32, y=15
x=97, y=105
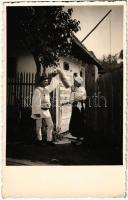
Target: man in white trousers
x=41, y=103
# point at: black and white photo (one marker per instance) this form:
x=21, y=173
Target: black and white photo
x=64, y=85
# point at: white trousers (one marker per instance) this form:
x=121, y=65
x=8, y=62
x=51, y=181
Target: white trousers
x=48, y=123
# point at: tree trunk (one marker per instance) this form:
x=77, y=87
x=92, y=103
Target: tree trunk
x=38, y=67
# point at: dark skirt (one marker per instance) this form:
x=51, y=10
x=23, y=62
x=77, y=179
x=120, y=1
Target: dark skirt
x=77, y=122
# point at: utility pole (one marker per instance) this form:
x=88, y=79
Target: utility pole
x=96, y=26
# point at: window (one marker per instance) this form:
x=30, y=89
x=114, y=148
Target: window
x=66, y=66
x=75, y=74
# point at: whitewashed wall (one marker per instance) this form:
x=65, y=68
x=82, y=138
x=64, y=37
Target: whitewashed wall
x=27, y=64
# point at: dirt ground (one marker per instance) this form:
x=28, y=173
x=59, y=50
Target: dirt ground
x=23, y=153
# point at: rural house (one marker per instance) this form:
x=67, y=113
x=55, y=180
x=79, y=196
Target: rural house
x=21, y=82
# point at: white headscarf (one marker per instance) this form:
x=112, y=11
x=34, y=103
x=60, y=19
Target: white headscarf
x=79, y=79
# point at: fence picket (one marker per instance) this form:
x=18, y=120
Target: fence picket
x=26, y=93
x=29, y=82
x=32, y=87
x=23, y=90
x=21, y=97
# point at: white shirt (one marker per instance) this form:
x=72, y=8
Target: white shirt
x=79, y=94
x=41, y=99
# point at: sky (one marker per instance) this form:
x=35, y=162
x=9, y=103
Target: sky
x=108, y=36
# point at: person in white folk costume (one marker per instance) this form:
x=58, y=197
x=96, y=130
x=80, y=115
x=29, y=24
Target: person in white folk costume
x=41, y=103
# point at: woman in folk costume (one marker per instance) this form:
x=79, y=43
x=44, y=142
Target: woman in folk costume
x=77, y=122
x=41, y=103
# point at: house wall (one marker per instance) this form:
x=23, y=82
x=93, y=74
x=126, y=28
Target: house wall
x=75, y=66
x=26, y=64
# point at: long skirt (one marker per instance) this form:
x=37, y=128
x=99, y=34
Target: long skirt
x=77, y=122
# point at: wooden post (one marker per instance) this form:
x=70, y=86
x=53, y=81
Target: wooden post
x=23, y=89
x=29, y=82
x=26, y=94
x=96, y=26
x=21, y=81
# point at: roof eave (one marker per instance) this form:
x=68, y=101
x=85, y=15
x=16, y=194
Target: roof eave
x=85, y=51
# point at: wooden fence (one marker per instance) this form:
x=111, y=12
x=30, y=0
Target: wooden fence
x=104, y=112
x=20, y=90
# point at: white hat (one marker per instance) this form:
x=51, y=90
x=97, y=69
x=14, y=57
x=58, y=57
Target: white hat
x=79, y=79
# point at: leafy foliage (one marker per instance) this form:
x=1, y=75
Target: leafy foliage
x=111, y=62
x=44, y=31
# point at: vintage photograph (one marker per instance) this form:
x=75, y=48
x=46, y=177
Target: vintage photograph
x=64, y=85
